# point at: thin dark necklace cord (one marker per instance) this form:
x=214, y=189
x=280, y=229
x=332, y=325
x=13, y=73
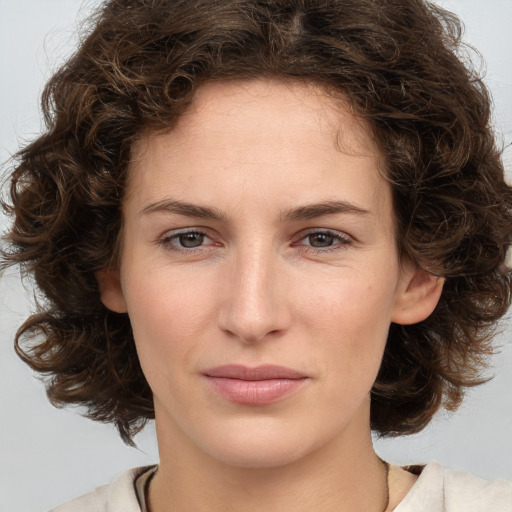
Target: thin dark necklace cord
x=386, y=499
x=384, y=463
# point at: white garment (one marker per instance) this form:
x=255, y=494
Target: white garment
x=436, y=490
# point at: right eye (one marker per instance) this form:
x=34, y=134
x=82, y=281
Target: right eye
x=185, y=241
x=190, y=240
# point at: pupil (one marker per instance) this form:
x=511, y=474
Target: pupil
x=321, y=240
x=191, y=239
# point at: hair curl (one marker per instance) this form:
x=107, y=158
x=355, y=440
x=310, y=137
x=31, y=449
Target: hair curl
x=138, y=68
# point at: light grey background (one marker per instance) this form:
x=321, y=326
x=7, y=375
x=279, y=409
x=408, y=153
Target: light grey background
x=49, y=455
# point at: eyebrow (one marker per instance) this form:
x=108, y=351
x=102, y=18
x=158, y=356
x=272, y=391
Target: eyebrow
x=186, y=209
x=320, y=209
x=295, y=214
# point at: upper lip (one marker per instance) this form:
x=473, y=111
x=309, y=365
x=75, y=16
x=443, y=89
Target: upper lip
x=264, y=372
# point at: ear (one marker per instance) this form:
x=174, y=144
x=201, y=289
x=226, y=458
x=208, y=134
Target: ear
x=111, y=292
x=417, y=295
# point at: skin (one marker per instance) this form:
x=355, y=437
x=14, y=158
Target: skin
x=270, y=281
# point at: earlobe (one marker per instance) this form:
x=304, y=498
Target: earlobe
x=111, y=292
x=418, y=295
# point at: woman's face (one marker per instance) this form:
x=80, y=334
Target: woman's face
x=260, y=273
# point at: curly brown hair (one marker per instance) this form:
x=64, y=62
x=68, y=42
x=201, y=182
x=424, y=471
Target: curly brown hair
x=399, y=64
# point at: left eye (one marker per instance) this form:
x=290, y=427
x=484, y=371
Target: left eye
x=190, y=240
x=321, y=239
x=325, y=240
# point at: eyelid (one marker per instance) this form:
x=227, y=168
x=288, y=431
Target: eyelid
x=314, y=231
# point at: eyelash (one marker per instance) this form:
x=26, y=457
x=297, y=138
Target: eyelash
x=340, y=241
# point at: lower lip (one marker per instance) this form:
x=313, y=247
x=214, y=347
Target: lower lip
x=255, y=392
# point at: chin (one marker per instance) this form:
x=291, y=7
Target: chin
x=257, y=456
x=263, y=446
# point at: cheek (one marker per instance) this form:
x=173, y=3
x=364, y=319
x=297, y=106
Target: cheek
x=352, y=304
x=350, y=318
x=169, y=313
x=167, y=299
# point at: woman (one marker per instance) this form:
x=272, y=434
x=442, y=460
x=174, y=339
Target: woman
x=275, y=227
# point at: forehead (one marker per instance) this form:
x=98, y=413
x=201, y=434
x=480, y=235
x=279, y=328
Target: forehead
x=244, y=139
x=270, y=106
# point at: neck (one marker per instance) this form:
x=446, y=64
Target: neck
x=343, y=475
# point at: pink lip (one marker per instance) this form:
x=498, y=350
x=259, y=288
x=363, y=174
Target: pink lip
x=261, y=385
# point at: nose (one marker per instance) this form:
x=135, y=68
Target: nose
x=254, y=306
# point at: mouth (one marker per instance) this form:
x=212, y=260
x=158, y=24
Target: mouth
x=262, y=385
